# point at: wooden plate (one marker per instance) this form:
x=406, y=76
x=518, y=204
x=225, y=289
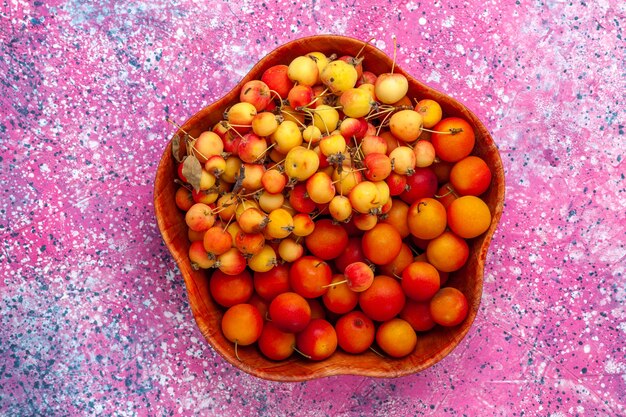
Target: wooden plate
x=432, y=346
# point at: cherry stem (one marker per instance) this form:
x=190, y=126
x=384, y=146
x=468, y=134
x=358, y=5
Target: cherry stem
x=250, y=194
x=301, y=353
x=414, y=250
x=183, y=184
x=382, y=123
x=320, y=95
x=193, y=146
x=376, y=352
x=231, y=218
x=358, y=153
x=236, y=352
x=276, y=164
x=359, y=169
x=319, y=213
x=332, y=107
x=383, y=110
x=232, y=128
x=224, y=207
x=332, y=284
x=193, y=140
x=278, y=96
x=294, y=117
x=450, y=191
x=309, y=143
x=363, y=47
x=264, y=152
x=179, y=127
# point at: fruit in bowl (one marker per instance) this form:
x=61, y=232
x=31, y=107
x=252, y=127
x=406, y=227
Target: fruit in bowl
x=331, y=215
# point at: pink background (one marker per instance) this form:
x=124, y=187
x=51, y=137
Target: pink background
x=94, y=318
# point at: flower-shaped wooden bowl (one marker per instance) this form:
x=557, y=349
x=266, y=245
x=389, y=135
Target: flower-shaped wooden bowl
x=433, y=345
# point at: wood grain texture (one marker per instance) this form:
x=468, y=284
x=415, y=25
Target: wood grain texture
x=432, y=346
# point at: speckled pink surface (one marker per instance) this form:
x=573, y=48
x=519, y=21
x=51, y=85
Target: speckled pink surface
x=94, y=318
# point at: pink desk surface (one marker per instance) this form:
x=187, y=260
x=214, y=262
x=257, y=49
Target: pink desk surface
x=94, y=318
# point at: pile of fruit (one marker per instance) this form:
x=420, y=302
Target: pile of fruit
x=330, y=208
